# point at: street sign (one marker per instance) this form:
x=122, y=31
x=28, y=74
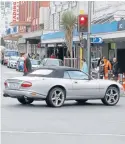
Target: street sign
x=96, y=40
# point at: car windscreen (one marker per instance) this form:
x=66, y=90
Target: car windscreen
x=41, y=72
x=11, y=53
x=14, y=58
x=35, y=62
x=52, y=62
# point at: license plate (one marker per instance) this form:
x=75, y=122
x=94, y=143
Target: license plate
x=13, y=85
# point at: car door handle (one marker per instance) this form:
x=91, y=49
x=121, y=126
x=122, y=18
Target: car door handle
x=75, y=82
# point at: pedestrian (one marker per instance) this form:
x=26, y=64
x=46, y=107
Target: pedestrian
x=101, y=69
x=37, y=56
x=27, y=65
x=33, y=56
x=101, y=58
x=115, y=69
x=84, y=67
x=107, y=67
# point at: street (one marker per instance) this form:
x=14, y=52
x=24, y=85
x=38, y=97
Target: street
x=92, y=123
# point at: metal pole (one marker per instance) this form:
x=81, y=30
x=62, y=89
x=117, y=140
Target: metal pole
x=88, y=38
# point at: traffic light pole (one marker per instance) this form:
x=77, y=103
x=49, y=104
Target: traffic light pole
x=88, y=38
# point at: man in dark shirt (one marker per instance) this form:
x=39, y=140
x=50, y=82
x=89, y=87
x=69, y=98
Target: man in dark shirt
x=27, y=65
x=115, y=69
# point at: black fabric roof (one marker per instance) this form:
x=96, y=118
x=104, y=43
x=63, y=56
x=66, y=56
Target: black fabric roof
x=58, y=71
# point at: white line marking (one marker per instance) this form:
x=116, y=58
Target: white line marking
x=59, y=133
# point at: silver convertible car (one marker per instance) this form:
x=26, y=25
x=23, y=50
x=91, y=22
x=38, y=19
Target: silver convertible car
x=57, y=84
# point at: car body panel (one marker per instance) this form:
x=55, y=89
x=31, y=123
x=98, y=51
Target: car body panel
x=44, y=79
x=85, y=88
x=42, y=85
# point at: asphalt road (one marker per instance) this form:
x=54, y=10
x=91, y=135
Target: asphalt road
x=92, y=123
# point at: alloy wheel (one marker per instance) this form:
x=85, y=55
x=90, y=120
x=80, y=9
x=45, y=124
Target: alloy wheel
x=57, y=97
x=112, y=96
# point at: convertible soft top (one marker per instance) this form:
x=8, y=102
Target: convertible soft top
x=58, y=71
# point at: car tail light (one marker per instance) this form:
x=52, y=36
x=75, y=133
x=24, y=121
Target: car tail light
x=26, y=84
x=5, y=84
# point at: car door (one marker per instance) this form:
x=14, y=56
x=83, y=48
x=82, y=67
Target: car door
x=82, y=85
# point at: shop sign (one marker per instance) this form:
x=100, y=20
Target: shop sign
x=121, y=25
x=21, y=41
x=15, y=11
x=51, y=45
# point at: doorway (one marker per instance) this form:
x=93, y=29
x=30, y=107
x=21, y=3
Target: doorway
x=121, y=59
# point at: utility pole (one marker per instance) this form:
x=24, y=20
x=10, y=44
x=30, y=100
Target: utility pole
x=88, y=38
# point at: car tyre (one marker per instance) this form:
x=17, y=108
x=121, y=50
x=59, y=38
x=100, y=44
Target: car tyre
x=81, y=101
x=56, y=97
x=25, y=101
x=111, y=97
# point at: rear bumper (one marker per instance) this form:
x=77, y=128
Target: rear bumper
x=19, y=93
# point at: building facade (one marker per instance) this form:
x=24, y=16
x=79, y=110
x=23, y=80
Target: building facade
x=26, y=20
x=39, y=21
x=5, y=15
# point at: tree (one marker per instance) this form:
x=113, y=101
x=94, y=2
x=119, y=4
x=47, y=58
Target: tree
x=68, y=24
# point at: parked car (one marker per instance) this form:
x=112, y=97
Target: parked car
x=7, y=53
x=35, y=63
x=51, y=62
x=12, y=62
x=20, y=64
x=55, y=85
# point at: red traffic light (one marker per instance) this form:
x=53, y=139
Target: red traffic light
x=83, y=20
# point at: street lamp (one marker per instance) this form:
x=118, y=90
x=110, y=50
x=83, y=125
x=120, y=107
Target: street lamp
x=88, y=38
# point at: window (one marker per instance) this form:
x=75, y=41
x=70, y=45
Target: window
x=35, y=62
x=78, y=75
x=11, y=53
x=52, y=62
x=7, y=4
x=42, y=72
x=14, y=58
x=43, y=62
x=66, y=75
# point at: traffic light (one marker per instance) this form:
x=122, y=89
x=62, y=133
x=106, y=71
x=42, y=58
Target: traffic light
x=82, y=23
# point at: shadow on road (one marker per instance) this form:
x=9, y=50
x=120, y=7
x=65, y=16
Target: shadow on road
x=66, y=105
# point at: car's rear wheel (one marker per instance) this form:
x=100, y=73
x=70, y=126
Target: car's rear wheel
x=81, y=101
x=25, y=100
x=111, y=97
x=56, y=97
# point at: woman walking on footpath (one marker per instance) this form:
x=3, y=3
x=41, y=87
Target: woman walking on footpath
x=85, y=67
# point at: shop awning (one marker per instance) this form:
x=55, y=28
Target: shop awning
x=14, y=37
x=20, y=23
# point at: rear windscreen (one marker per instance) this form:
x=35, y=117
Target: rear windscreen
x=41, y=72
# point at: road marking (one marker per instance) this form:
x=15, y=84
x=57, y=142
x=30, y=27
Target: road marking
x=59, y=133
